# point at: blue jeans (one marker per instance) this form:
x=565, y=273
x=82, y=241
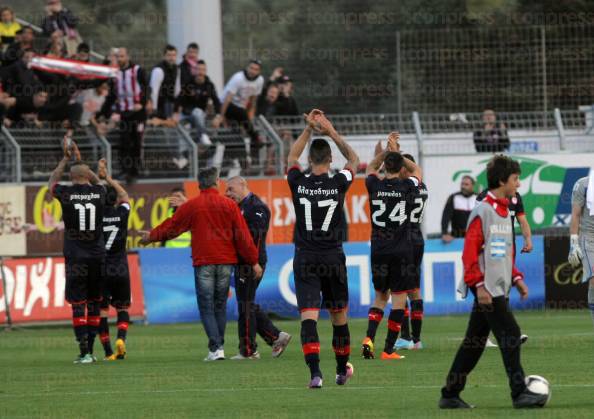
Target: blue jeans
x=212, y=290
x=198, y=120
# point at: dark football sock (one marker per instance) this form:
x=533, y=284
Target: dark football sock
x=341, y=344
x=104, y=336
x=405, y=327
x=93, y=321
x=123, y=322
x=310, y=343
x=394, y=322
x=79, y=324
x=416, y=319
x=374, y=316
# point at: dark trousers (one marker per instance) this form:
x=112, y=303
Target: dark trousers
x=240, y=116
x=498, y=318
x=251, y=318
x=131, y=130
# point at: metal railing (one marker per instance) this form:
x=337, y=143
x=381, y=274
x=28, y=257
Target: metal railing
x=38, y=151
x=167, y=153
x=30, y=154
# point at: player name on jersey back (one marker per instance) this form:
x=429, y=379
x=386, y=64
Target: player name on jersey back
x=82, y=209
x=319, y=209
x=396, y=208
x=115, y=230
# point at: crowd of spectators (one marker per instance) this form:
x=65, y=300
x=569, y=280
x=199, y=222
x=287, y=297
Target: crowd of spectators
x=173, y=92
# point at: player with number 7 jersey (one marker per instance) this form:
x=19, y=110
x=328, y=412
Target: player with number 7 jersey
x=319, y=265
x=116, y=290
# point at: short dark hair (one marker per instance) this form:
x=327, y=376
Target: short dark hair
x=499, y=169
x=178, y=189
x=27, y=28
x=470, y=178
x=409, y=156
x=193, y=45
x=207, y=178
x=201, y=62
x=111, y=196
x=83, y=47
x=320, y=151
x=169, y=47
x=393, y=162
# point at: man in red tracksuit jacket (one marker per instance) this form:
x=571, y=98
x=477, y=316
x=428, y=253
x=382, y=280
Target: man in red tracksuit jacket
x=219, y=233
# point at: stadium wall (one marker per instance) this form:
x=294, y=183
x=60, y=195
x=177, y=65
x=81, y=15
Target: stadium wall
x=170, y=297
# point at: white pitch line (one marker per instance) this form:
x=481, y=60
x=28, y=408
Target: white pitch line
x=233, y=390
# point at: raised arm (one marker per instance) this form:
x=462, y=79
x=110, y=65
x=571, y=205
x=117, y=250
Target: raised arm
x=347, y=151
x=298, y=146
x=69, y=148
x=58, y=172
x=376, y=163
x=103, y=174
x=412, y=168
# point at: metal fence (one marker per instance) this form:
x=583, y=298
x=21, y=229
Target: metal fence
x=514, y=68
x=30, y=154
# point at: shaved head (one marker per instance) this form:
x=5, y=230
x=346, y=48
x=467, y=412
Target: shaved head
x=79, y=173
x=237, y=188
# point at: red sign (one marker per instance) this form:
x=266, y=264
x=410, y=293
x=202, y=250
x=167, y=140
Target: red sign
x=36, y=290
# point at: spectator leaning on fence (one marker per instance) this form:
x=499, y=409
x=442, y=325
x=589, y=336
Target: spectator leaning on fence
x=193, y=101
x=457, y=209
x=130, y=93
x=492, y=138
x=165, y=83
x=219, y=234
x=8, y=26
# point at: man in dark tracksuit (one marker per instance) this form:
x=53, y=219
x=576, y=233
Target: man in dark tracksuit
x=252, y=319
x=457, y=209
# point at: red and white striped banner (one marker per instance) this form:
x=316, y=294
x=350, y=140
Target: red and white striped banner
x=79, y=69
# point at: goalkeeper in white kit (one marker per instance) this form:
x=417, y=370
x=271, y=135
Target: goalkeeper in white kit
x=582, y=232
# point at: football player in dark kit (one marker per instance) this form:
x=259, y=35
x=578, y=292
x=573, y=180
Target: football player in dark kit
x=117, y=277
x=84, y=249
x=319, y=264
x=394, y=208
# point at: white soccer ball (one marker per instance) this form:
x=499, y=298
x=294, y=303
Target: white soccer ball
x=539, y=385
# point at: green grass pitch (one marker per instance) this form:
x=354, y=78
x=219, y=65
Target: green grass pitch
x=164, y=375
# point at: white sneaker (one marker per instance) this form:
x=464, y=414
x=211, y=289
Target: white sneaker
x=280, y=344
x=217, y=355
x=212, y=356
x=240, y=357
x=205, y=140
x=490, y=344
x=220, y=354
